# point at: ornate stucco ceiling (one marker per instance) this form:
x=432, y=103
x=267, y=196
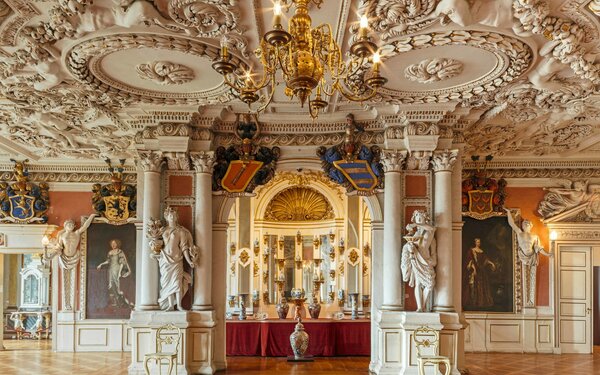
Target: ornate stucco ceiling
x=83, y=79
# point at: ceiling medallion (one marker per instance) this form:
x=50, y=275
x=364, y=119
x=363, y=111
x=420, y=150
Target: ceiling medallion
x=310, y=61
x=165, y=72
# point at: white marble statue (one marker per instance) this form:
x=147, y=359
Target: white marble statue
x=118, y=268
x=419, y=257
x=529, y=248
x=66, y=247
x=496, y=13
x=177, y=246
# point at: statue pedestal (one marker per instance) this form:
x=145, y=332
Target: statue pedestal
x=397, y=353
x=195, y=347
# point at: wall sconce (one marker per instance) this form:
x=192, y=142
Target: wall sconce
x=266, y=238
x=332, y=253
x=341, y=247
x=232, y=248
x=256, y=247
x=266, y=253
x=553, y=238
x=331, y=236
x=298, y=262
x=298, y=238
x=316, y=241
x=280, y=242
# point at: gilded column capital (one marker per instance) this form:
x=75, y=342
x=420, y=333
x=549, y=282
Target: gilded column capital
x=444, y=160
x=203, y=161
x=151, y=161
x=393, y=160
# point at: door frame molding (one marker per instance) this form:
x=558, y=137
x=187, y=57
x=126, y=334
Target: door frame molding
x=575, y=234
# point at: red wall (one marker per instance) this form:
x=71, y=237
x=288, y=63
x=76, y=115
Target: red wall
x=66, y=205
x=527, y=199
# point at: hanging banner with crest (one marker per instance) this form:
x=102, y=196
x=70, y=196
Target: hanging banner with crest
x=352, y=164
x=482, y=196
x=116, y=201
x=241, y=168
x=22, y=201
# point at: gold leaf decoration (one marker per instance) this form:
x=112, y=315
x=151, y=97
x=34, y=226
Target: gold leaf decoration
x=244, y=257
x=299, y=204
x=353, y=257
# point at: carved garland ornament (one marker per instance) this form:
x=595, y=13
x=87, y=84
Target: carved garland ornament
x=299, y=204
x=433, y=70
x=396, y=17
x=514, y=58
x=565, y=37
x=210, y=18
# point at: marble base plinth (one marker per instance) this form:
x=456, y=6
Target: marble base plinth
x=196, y=346
x=396, y=350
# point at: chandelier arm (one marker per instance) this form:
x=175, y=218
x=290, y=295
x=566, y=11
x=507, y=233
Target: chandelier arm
x=314, y=112
x=355, y=98
x=282, y=64
x=270, y=96
x=358, y=65
x=330, y=93
x=228, y=82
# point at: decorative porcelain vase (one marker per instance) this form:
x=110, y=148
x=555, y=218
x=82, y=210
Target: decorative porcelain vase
x=314, y=309
x=299, y=340
x=282, y=309
x=242, y=315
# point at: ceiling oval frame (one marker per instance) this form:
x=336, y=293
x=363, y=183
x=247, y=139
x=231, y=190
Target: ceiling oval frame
x=83, y=63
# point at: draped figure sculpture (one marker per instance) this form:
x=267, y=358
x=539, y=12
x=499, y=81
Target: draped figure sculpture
x=529, y=248
x=66, y=247
x=560, y=199
x=118, y=267
x=177, y=245
x=419, y=257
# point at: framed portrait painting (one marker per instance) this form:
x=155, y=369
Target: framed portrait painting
x=489, y=266
x=108, y=271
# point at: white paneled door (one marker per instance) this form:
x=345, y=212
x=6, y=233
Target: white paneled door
x=575, y=299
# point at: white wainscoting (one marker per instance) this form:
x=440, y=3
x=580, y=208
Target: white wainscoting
x=93, y=335
x=519, y=333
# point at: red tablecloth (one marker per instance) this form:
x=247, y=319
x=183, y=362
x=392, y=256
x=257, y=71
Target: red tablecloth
x=271, y=338
x=243, y=338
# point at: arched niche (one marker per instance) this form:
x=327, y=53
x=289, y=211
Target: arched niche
x=314, y=180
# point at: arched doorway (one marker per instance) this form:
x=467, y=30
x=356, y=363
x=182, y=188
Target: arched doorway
x=279, y=232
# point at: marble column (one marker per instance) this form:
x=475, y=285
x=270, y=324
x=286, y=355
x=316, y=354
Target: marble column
x=442, y=163
x=151, y=163
x=393, y=295
x=203, y=164
x=220, y=291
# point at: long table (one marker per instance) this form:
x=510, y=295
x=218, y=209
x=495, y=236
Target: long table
x=271, y=338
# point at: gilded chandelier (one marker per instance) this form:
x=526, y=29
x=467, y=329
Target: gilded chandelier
x=310, y=61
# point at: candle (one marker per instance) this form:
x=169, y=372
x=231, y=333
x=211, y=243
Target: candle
x=277, y=15
x=364, y=27
x=376, y=62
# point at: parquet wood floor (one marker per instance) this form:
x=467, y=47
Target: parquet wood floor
x=30, y=357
